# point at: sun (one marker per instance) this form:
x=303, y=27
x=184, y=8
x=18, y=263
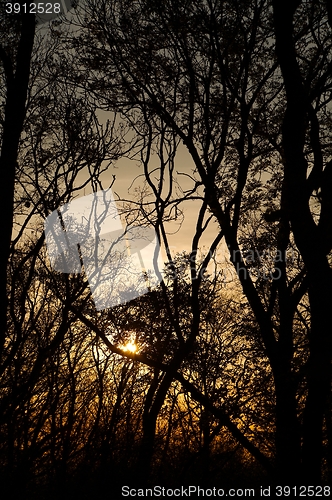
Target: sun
x=130, y=346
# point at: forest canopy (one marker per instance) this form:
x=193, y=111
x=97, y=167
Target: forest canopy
x=210, y=120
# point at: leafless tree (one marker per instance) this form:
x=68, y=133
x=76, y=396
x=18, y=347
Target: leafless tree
x=207, y=74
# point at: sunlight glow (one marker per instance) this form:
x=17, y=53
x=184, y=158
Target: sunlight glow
x=130, y=346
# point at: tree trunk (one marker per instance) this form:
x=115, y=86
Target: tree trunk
x=288, y=441
x=310, y=239
x=15, y=111
x=318, y=376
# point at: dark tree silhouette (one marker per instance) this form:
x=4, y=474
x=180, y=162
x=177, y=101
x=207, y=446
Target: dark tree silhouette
x=233, y=360
x=208, y=74
x=16, y=60
x=304, y=96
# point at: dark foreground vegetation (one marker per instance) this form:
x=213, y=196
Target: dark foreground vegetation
x=221, y=375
